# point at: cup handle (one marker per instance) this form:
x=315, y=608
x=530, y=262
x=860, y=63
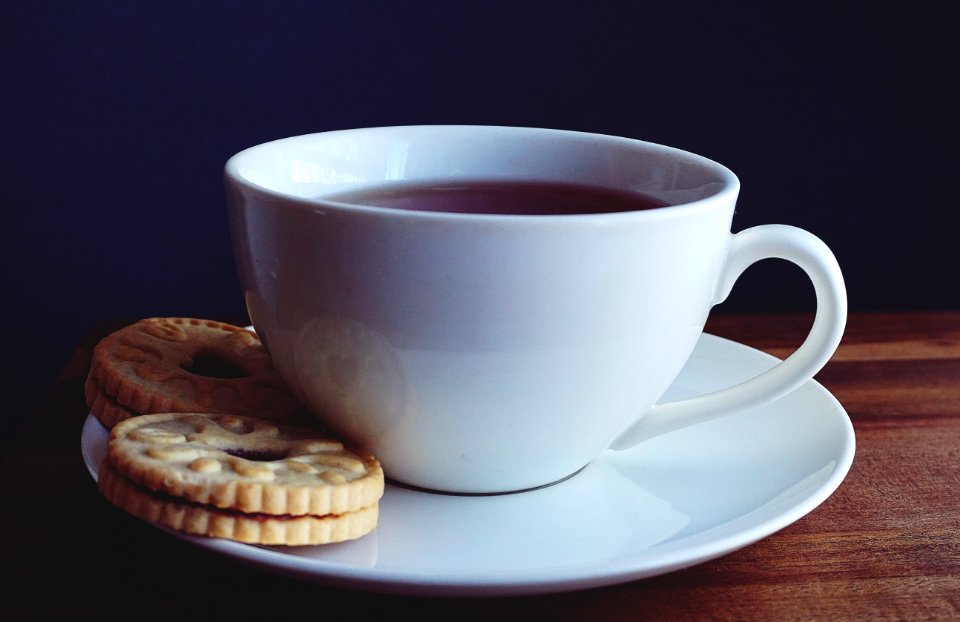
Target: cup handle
x=747, y=247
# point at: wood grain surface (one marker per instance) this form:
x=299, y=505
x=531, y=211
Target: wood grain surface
x=884, y=546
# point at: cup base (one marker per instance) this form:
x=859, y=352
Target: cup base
x=454, y=493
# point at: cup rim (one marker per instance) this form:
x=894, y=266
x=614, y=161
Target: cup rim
x=729, y=182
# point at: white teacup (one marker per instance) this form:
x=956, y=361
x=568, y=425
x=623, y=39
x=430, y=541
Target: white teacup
x=481, y=353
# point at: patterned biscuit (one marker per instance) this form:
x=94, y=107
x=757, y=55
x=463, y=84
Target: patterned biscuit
x=244, y=464
x=254, y=529
x=191, y=365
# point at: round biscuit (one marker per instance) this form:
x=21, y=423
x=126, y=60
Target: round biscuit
x=200, y=520
x=244, y=464
x=178, y=364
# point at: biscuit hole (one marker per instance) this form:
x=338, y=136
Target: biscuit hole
x=257, y=455
x=212, y=365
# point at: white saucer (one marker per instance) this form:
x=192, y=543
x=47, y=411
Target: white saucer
x=674, y=501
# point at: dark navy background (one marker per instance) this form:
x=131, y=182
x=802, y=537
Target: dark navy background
x=118, y=118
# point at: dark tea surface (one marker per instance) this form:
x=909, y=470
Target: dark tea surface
x=500, y=197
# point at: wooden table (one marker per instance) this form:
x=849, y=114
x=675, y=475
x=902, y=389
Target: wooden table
x=886, y=545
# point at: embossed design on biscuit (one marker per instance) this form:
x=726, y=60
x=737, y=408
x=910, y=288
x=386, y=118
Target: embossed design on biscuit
x=188, y=365
x=244, y=463
x=166, y=329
